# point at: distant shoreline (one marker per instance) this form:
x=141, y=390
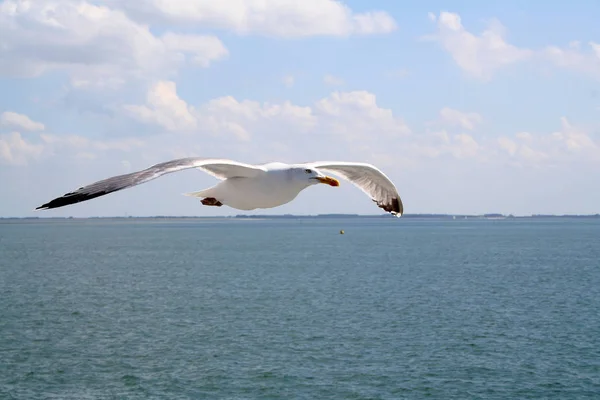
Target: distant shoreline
x=330, y=216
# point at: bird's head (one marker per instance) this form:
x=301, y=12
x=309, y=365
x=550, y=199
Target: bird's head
x=312, y=176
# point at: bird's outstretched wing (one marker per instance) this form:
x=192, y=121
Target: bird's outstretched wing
x=219, y=168
x=369, y=179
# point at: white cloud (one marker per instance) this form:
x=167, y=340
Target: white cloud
x=569, y=144
x=164, y=108
x=508, y=145
x=350, y=115
x=14, y=150
x=452, y=117
x=246, y=118
x=574, y=139
x=332, y=80
x=574, y=58
x=221, y=116
x=525, y=136
x=522, y=152
x=14, y=119
x=441, y=143
x=202, y=49
x=283, y=18
x=480, y=56
x=464, y=146
x=97, y=45
x=18, y=151
x=374, y=22
x=483, y=55
x=356, y=115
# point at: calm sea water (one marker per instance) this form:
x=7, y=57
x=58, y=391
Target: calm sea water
x=291, y=309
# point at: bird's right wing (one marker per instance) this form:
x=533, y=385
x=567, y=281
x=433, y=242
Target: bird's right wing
x=219, y=168
x=368, y=178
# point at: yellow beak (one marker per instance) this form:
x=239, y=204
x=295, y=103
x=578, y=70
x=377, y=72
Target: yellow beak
x=329, y=181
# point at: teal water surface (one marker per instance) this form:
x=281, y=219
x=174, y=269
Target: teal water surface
x=291, y=309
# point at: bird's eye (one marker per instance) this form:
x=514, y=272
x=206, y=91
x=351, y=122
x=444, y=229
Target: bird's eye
x=308, y=171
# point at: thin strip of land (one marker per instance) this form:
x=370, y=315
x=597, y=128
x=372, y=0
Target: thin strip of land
x=293, y=216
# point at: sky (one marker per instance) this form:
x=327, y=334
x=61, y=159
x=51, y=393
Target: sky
x=469, y=107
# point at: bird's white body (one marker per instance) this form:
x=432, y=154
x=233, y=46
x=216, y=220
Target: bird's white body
x=272, y=188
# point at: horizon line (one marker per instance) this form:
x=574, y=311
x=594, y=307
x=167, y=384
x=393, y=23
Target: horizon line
x=325, y=215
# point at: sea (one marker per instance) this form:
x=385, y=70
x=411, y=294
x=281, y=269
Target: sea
x=291, y=308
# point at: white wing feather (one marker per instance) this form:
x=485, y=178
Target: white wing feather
x=369, y=179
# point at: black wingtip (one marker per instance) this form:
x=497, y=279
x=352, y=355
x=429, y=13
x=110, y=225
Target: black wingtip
x=42, y=207
x=398, y=207
x=71, y=198
x=394, y=207
x=51, y=204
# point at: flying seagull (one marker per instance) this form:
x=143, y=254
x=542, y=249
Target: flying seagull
x=248, y=187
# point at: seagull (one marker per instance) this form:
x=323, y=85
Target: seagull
x=248, y=187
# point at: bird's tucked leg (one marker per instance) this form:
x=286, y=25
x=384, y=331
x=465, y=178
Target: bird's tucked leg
x=211, y=201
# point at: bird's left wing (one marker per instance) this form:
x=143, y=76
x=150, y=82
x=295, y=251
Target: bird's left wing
x=369, y=179
x=220, y=168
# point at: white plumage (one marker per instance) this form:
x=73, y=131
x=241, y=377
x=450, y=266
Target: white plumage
x=248, y=187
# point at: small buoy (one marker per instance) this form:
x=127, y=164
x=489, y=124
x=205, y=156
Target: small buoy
x=341, y=232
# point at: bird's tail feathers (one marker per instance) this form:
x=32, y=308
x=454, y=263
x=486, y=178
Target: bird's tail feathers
x=201, y=193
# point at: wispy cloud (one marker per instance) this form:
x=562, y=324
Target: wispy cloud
x=478, y=55
x=21, y=121
x=281, y=18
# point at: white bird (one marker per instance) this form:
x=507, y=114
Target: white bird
x=248, y=187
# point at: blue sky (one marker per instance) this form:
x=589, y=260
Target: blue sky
x=468, y=107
